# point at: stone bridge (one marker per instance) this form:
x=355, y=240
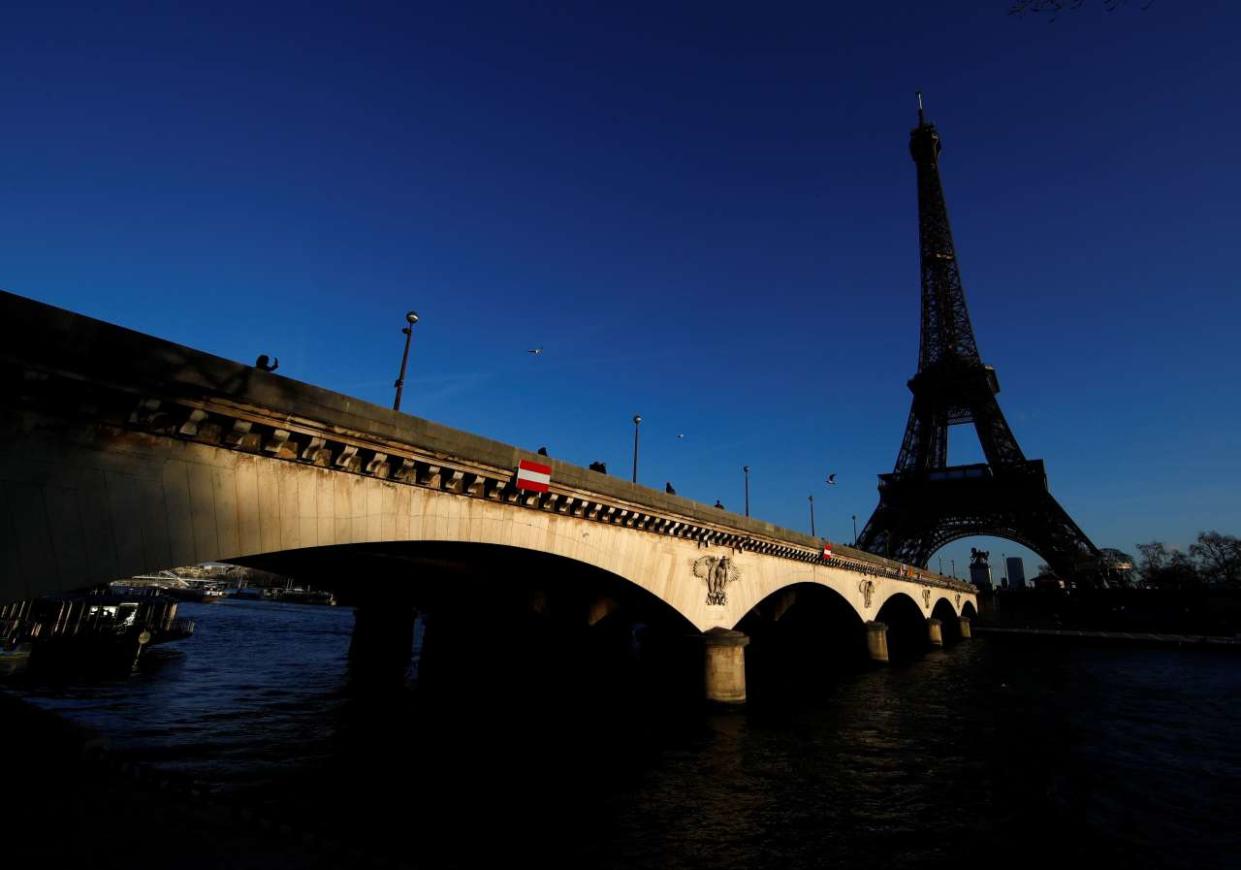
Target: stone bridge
x=123, y=454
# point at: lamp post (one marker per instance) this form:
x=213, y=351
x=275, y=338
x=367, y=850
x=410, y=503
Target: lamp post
x=411, y=317
x=941, y=565
x=812, y=516
x=746, y=469
x=855, y=530
x=954, y=568
x=637, y=420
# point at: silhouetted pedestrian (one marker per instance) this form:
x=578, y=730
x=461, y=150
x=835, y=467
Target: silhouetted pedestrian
x=668, y=488
x=718, y=505
x=263, y=364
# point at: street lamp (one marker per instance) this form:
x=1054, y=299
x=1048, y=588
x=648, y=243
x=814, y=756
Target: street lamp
x=637, y=420
x=411, y=317
x=812, y=516
x=746, y=469
x=954, y=568
x=855, y=530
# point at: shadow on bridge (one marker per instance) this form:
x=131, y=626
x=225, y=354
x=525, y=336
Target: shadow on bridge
x=501, y=625
x=802, y=637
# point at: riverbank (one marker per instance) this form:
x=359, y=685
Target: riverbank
x=1127, y=638
x=71, y=801
x=1200, y=612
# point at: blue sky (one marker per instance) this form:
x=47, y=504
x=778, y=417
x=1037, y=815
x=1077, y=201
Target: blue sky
x=705, y=214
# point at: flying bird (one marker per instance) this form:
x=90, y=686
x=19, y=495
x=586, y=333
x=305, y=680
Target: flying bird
x=681, y=436
x=536, y=350
x=831, y=480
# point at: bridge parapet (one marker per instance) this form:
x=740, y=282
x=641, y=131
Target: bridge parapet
x=99, y=380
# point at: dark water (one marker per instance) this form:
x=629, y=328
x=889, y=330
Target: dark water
x=986, y=753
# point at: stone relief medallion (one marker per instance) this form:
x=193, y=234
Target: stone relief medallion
x=926, y=597
x=958, y=601
x=717, y=572
x=867, y=588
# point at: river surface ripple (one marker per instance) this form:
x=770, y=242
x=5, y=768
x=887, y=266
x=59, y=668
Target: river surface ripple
x=990, y=752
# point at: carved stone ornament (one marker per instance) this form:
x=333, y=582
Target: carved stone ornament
x=718, y=572
x=926, y=597
x=958, y=601
x=867, y=588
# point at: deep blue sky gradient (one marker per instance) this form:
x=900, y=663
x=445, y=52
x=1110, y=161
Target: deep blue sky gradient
x=705, y=214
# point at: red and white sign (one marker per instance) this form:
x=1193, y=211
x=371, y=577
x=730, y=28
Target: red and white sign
x=827, y=551
x=533, y=476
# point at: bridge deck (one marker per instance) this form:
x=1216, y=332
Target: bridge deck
x=50, y=355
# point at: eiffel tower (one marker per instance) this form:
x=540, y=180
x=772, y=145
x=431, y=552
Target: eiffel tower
x=926, y=503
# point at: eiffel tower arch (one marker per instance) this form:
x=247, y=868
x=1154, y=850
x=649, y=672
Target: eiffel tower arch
x=924, y=503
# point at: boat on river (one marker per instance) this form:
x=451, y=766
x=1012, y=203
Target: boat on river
x=306, y=596
x=93, y=632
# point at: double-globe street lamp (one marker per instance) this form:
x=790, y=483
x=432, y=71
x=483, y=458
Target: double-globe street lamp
x=411, y=317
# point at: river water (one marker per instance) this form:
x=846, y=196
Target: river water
x=989, y=752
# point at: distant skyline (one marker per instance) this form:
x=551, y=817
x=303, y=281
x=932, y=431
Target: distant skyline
x=703, y=214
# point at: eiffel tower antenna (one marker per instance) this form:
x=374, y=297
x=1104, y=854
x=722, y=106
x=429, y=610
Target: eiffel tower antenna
x=926, y=503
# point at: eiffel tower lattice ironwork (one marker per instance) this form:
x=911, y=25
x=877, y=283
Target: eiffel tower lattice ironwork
x=926, y=503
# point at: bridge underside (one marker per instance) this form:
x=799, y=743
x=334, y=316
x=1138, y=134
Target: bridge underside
x=919, y=514
x=464, y=576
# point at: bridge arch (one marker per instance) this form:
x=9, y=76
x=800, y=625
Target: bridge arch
x=490, y=612
x=472, y=575
x=800, y=636
x=950, y=626
x=906, y=622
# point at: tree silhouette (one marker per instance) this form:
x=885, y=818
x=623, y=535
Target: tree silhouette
x=1167, y=569
x=1218, y=557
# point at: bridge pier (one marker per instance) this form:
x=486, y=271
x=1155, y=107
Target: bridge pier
x=382, y=643
x=877, y=641
x=935, y=632
x=966, y=630
x=725, y=665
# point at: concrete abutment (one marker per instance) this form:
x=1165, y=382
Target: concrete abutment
x=877, y=641
x=725, y=665
x=935, y=632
